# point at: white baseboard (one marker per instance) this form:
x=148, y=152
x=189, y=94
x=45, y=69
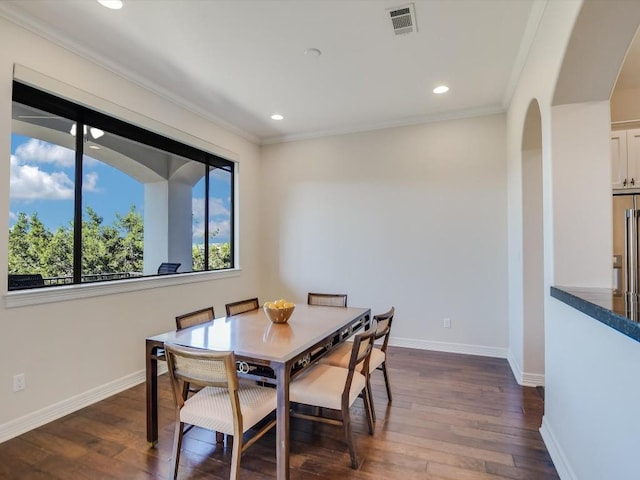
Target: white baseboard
x=523, y=378
x=45, y=415
x=463, y=348
x=565, y=472
x=532, y=380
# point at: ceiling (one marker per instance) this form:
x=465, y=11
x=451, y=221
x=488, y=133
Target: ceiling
x=237, y=62
x=629, y=76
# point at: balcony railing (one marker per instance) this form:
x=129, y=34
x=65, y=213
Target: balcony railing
x=21, y=282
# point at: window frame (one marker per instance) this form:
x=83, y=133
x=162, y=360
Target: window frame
x=83, y=115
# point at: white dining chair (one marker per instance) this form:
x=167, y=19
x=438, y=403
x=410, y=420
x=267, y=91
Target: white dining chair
x=335, y=388
x=223, y=404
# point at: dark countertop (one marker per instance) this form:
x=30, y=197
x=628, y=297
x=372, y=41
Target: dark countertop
x=605, y=306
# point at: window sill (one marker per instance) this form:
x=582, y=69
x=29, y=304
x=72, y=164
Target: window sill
x=38, y=296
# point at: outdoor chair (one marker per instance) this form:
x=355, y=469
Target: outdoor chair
x=166, y=268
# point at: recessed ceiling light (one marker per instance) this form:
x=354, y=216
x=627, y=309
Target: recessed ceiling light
x=441, y=89
x=112, y=4
x=94, y=147
x=276, y=116
x=312, y=52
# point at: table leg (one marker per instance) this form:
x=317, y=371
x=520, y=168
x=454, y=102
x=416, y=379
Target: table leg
x=152, y=393
x=283, y=375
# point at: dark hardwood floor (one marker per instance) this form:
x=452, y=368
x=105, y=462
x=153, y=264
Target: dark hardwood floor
x=455, y=417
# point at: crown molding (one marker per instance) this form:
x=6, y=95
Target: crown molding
x=49, y=34
x=43, y=30
x=530, y=32
x=403, y=122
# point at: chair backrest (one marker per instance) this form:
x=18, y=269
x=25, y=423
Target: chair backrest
x=25, y=280
x=383, y=326
x=199, y=367
x=236, y=308
x=194, y=318
x=360, y=354
x=166, y=268
x=327, y=299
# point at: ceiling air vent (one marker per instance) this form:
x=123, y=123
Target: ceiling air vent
x=404, y=19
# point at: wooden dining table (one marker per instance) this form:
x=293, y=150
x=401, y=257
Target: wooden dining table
x=265, y=352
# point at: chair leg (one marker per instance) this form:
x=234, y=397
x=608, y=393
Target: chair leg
x=368, y=408
x=386, y=380
x=369, y=396
x=348, y=435
x=236, y=453
x=177, y=446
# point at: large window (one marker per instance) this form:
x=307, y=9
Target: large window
x=93, y=198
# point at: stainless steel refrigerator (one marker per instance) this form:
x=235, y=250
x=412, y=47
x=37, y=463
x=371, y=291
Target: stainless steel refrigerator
x=626, y=271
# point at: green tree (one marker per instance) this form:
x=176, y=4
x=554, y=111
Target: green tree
x=58, y=255
x=131, y=228
x=28, y=240
x=219, y=256
x=105, y=248
x=93, y=247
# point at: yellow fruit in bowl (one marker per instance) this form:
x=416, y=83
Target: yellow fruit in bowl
x=279, y=311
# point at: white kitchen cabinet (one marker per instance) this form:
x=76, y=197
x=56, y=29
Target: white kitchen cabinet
x=625, y=158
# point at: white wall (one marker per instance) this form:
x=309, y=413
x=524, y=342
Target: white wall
x=78, y=349
x=582, y=215
x=536, y=82
x=588, y=415
x=591, y=424
x=413, y=217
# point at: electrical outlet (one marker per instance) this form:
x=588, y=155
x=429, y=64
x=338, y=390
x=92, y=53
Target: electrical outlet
x=446, y=323
x=18, y=382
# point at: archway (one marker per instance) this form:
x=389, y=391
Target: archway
x=532, y=248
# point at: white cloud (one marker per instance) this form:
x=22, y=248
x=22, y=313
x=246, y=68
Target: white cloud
x=216, y=209
x=28, y=182
x=90, y=182
x=197, y=208
x=12, y=216
x=43, y=152
x=223, y=226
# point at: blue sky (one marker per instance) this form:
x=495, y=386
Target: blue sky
x=42, y=181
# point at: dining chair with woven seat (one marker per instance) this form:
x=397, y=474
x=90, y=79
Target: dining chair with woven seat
x=340, y=356
x=196, y=317
x=236, y=308
x=223, y=404
x=327, y=299
x=191, y=319
x=336, y=388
